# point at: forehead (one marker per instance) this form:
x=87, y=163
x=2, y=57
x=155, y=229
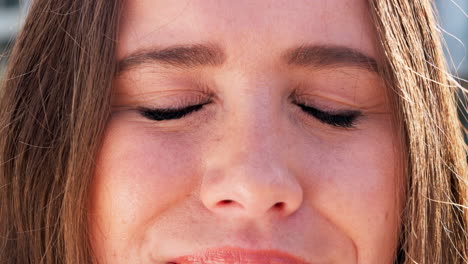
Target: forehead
x=244, y=25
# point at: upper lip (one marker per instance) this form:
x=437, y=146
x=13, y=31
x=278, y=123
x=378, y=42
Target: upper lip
x=233, y=255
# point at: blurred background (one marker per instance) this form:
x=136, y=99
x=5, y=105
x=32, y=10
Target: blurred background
x=11, y=15
x=453, y=15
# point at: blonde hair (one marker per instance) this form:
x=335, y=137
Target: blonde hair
x=434, y=218
x=55, y=105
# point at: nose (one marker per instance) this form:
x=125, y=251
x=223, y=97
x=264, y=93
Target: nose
x=250, y=175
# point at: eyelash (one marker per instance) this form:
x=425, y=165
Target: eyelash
x=169, y=113
x=345, y=119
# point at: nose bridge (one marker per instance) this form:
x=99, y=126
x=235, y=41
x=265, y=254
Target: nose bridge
x=254, y=116
x=248, y=173
x=254, y=134
x=254, y=138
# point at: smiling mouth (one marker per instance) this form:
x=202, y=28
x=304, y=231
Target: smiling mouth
x=230, y=255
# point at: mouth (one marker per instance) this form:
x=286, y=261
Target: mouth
x=231, y=255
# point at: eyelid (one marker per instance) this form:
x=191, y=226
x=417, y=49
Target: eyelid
x=185, y=107
x=175, y=100
x=180, y=103
x=330, y=101
x=168, y=114
x=337, y=118
x=331, y=112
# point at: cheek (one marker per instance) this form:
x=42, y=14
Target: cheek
x=138, y=176
x=141, y=176
x=354, y=185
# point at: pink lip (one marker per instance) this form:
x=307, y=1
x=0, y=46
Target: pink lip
x=230, y=255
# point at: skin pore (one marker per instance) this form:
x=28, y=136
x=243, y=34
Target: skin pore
x=287, y=143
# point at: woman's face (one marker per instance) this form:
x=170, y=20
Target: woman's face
x=279, y=139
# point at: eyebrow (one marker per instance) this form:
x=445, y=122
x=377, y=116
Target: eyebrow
x=180, y=56
x=327, y=56
x=199, y=55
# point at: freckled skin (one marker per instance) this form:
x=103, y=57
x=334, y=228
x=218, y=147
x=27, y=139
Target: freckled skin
x=159, y=188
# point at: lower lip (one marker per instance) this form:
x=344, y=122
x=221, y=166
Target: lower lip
x=230, y=255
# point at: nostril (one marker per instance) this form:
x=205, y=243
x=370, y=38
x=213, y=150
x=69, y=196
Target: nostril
x=279, y=205
x=228, y=204
x=225, y=202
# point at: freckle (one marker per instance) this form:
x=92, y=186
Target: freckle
x=386, y=216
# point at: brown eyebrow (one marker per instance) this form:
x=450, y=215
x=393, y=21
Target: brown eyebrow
x=181, y=56
x=197, y=55
x=330, y=56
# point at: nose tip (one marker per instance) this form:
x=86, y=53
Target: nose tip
x=251, y=190
x=248, y=170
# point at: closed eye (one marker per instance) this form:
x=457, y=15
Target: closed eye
x=345, y=119
x=163, y=114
